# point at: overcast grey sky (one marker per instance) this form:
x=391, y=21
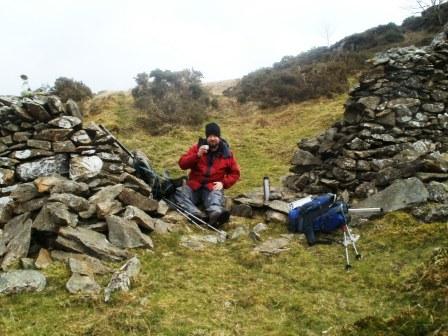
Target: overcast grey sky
x=106, y=43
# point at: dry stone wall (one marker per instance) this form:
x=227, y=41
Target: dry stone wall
x=66, y=186
x=395, y=126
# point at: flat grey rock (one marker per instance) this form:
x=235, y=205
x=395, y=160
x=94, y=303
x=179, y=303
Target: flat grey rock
x=65, y=122
x=400, y=195
x=82, y=284
x=279, y=206
x=260, y=227
x=140, y=217
x=75, y=203
x=14, y=282
x=29, y=171
x=237, y=233
x=125, y=233
x=16, y=239
x=25, y=192
x=90, y=242
x=276, y=217
x=199, y=242
x=81, y=263
x=273, y=246
x=108, y=193
x=131, y=197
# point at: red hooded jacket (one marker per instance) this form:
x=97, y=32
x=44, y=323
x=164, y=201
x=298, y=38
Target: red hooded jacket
x=219, y=166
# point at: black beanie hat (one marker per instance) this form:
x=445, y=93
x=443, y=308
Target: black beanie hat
x=212, y=128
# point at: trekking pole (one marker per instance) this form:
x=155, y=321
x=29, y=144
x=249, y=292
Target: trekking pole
x=349, y=239
x=192, y=218
x=186, y=216
x=105, y=130
x=365, y=210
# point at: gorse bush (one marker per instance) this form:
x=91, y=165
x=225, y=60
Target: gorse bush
x=171, y=97
x=67, y=88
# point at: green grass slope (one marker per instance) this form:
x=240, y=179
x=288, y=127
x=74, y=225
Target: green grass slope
x=229, y=290
x=263, y=141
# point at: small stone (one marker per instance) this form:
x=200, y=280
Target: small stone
x=85, y=167
x=104, y=209
x=74, y=202
x=29, y=206
x=82, y=284
x=121, y=279
x=144, y=220
x=64, y=147
x=81, y=263
x=81, y=137
x=304, y=158
x=30, y=153
x=434, y=108
x=36, y=110
x=39, y=144
x=43, y=259
x=55, y=105
x=21, y=136
x=6, y=162
x=242, y=210
x=273, y=246
x=16, y=238
x=279, y=206
x=53, y=134
x=260, y=227
x=72, y=109
x=276, y=217
x=27, y=263
x=6, y=177
x=162, y=208
x=67, y=122
x=239, y=232
x=125, y=233
x=131, y=197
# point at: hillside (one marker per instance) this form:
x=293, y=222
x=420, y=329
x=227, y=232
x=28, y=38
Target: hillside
x=227, y=289
x=305, y=76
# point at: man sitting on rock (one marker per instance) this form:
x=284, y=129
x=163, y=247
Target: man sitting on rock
x=213, y=168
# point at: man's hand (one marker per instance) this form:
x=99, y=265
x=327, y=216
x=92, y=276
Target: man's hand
x=217, y=186
x=202, y=150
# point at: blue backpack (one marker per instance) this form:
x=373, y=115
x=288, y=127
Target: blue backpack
x=317, y=214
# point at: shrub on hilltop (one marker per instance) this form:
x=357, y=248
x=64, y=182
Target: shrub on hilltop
x=171, y=97
x=68, y=88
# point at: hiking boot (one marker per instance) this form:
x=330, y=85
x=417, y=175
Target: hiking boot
x=218, y=218
x=199, y=214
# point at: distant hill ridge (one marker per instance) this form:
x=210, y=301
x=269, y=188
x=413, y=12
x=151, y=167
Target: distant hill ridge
x=324, y=71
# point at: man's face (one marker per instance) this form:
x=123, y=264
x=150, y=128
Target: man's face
x=213, y=142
